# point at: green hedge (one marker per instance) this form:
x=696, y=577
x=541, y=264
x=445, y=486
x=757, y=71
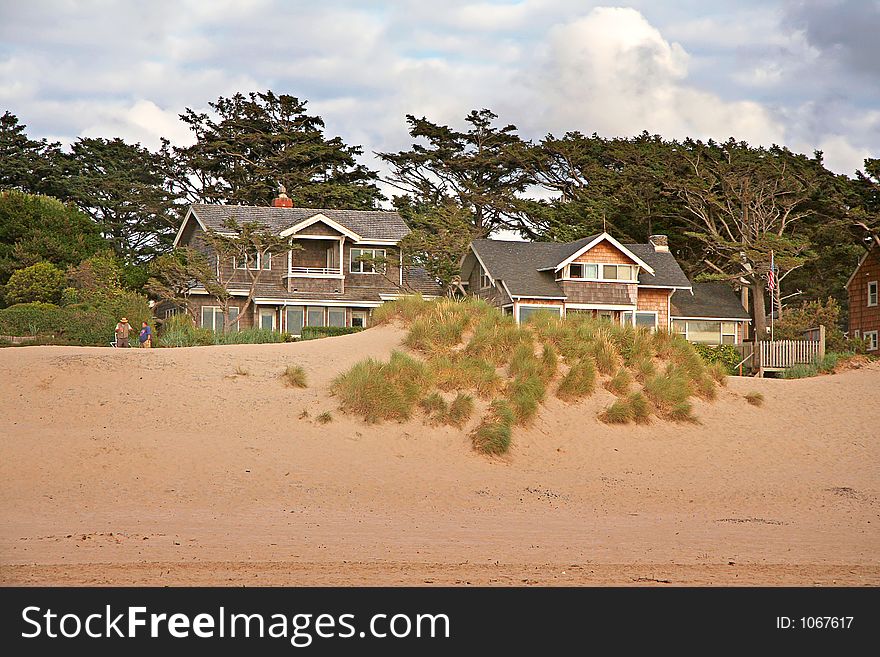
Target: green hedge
x=314, y=332
x=727, y=354
x=79, y=324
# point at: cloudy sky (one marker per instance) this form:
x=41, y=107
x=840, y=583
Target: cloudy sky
x=805, y=73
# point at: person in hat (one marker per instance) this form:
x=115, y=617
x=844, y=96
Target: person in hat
x=146, y=336
x=122, y=331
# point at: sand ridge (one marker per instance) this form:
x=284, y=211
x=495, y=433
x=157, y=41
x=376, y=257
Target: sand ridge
x=176, y=466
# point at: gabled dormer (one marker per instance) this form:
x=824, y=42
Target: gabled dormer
x=598, y=259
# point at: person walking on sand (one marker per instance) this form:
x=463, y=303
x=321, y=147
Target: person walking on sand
x=146, y=336
x=122, y=331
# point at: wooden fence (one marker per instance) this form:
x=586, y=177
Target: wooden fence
x=777, y=355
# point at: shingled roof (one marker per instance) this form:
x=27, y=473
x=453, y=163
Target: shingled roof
x=518, y=265
x=369, y=224
x=713, y=299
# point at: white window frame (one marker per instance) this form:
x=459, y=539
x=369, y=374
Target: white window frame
x=332, y=309
x=875, y=294
x=217, y=315
x=600, y=272
x=632, y=319
x=721, y=333
x=359, y=314
x=871, y=337
x=361, y=264
x=485, y=280
x=323, y=310
x=274, y=318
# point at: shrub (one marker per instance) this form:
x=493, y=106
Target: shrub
x=618, y=413
x=723, y=355
x=579, y=382
x=383, y=391
x=32, y=319
x=620, y=382
x=294, y=376
x=755, y=398
x=253, y=335
x=795, y=321
x=800, y=371
x=180, y=331
x=42, y=282
x=315, y=332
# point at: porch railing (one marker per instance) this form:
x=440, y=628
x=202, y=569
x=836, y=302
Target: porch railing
x=314, y=271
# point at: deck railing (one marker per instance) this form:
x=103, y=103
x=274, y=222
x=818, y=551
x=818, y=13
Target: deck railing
x=314, y=271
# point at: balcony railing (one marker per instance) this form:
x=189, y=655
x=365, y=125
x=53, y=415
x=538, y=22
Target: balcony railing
x=313, y=272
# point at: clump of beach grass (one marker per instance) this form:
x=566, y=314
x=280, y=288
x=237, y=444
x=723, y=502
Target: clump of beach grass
x=618, y=413
x=324, y=417
x=441, y=327
x=640, y=407
x=406, y=308
x=493, y=434
x=434, y=405
x=495, y=338
x=525, y=394
x=718, y=371
x=294, y=376
x=755, y=398
x=460, y=410
x=669, y=392
x=579, y=381
x=241, y=370
x=459, y=371
x=380, y=391
x=619, y=384
x=605, y=354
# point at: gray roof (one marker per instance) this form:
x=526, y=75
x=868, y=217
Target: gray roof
x=369, y=224
x=417, y=279
x=710, y=299
x=667, y=272
x=517, y=264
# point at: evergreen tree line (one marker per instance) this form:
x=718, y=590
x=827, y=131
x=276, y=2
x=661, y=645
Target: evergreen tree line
x=724, y=205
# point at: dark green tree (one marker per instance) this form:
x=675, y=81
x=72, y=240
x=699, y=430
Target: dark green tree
x=123, y=188
x=26, y=164
x=474, y=169
x=249, y=145
x=38, y=228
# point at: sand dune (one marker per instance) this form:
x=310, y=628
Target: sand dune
x=168, y=467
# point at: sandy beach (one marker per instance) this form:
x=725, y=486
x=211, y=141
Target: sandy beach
x=197, y=466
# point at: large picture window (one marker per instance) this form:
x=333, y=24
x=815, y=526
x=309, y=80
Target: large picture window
x=706, y=331
x=525, y=312
x=212, y=318
x=362, y=261
x=315, y=317
x=646, y=319
x=336, y=317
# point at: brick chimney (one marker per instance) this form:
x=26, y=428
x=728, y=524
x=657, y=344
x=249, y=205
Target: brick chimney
x=660, y=243
x=282, y=200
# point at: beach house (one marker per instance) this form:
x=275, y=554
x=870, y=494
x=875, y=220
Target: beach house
x=638, y=284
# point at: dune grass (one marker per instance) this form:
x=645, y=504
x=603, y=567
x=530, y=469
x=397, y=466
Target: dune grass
x=619, y=384
x=324, y=417
x=579, y=382
x=466, y=347
x=294, y=376
x=380, y=391
x=755, y=398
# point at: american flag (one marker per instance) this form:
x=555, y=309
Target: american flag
x=771, y=275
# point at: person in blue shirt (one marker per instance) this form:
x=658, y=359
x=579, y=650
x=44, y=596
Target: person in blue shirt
x=146, y=336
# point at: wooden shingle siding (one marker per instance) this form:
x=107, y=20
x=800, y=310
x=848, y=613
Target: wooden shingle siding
x=863, y=317
x=319, y=228
x=590, y=292
x=605, y=253
x=656, y=301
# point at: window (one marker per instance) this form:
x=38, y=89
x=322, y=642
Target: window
x=590, y=272
x=294, y=319
x=485, y=281
x=525, y=312
x=359, y=318
x=871, y=338
x=872, y=293
x=646, y=319
x=336, y=317
x=212, y=318
x=267, y=319
x=359, y=266
x=315, y=317
x=705, y=331
x=253, y=261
